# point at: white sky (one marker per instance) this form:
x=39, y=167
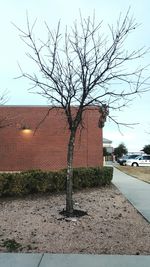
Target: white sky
x=12, y=50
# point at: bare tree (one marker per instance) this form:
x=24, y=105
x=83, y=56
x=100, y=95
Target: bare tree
x=4, y=120
x=82, y=67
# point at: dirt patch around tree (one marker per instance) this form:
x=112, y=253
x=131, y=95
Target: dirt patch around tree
x=111, y=226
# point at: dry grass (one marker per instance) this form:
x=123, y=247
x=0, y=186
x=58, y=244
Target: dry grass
x=142, y=173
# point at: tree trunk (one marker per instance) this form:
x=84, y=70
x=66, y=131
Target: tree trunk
x=69, y=184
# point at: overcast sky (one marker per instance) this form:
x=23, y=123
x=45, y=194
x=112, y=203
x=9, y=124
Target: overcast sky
x=12, y=51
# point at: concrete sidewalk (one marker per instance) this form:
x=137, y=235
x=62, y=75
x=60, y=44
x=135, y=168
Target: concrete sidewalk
x=72, y=260
x=136, y=191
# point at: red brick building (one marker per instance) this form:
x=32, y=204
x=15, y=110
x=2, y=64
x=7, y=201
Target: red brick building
x=46, y=149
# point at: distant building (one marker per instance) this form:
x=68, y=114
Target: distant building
x=108, y=145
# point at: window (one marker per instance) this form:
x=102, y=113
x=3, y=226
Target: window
x=146, y=157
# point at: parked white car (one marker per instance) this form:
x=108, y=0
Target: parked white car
x=142, y=161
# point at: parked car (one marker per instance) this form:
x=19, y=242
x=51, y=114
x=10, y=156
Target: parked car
x=142, y=161
x=122, y=161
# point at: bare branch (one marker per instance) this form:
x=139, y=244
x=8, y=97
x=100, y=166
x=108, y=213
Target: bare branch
x=86, y=68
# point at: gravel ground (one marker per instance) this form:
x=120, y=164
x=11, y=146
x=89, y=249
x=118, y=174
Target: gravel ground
x=112, y=226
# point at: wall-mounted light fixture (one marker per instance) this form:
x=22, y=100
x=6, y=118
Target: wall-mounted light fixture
x=25, y=129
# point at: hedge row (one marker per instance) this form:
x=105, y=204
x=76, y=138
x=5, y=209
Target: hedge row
x=36, y=181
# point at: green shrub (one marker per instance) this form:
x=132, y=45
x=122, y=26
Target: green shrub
x=11, y=245
x=37, y=181
x=92, y=177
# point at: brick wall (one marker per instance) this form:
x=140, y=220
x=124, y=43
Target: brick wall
x=46, y=149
